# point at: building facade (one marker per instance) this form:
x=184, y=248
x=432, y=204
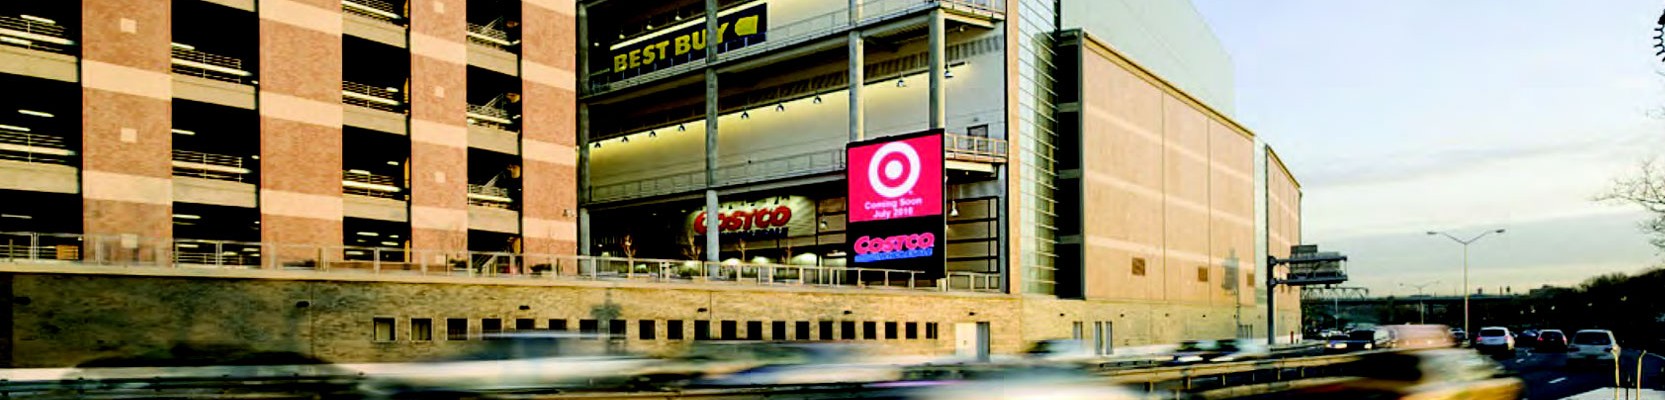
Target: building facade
x=373, y=180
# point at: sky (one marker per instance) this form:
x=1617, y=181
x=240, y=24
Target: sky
x=1402, y=117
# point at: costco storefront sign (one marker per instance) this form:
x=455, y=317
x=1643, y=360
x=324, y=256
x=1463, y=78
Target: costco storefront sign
x=896, y=187
x=775, y=217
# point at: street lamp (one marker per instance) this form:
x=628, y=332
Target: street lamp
x=1421, y=307
x=1465, y=244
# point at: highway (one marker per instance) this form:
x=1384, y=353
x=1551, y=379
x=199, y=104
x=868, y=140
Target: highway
x=1548, y=377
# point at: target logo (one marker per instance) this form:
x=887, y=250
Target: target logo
x=894, y=170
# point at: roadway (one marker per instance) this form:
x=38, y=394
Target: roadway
x=1548, y=376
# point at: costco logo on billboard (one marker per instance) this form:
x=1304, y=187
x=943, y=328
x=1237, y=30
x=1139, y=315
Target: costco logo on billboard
x=898, y=179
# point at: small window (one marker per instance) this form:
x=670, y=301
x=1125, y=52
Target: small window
x=890, y=330
x=421, y=329
x=847, y=330
x=826, y=330
x=802, y=328
x=731, y=330
x=754, y=330
x=645, y=329
x=589, y=328
x=869, y=330
x=1138, y=266
x=930, y=331
x=673, y=329
x=490, y=326
x=981, y=131
x=456, y=329
x=525, y=324
x=615, y=330
x=382, y=328
x=559, y=325
x=1075, y=330
x=777, y=330
x=1251, y=279
x=910, y=330
x=1202, y=274
x=702, y=329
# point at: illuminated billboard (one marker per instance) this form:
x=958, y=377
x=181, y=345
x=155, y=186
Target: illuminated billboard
x=896, y=219
x=737, y=27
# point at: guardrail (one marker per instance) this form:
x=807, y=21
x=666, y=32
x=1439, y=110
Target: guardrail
x=490, y=196
x=35, y=33
x=490, y=35
x=1195, y=377
x=364, y=183
x=380, y=98
x=208, y=166
x=187, y=60
x=19, y=145
x=975, y=148
x=491, y=117
x=374, y=9
x=137, y=251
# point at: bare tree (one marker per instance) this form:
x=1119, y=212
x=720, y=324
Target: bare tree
x=1645, y=189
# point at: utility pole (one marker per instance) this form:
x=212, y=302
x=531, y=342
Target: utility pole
x=1421, y=301
x=1465, y=244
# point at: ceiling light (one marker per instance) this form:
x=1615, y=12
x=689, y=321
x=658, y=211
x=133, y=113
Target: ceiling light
x=390, y=243
x=16, y=216
x=370, y=234
x=780, y=107
x=817, y=99
x=625, y=139
x=183, y=46
x=901, y=82
x=948, y=73
x=681, y=128
x=36, y=113
x=650, y=27
x=653, y=133
x=38, y=19
x=358, y=171
x=393, y=163
x=255, y=157
x=745, y=115
x=393, y=90
x=184, y=132
x=187, y=216
x=598, y=145
x=14, y=128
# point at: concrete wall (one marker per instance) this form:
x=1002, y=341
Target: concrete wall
x=1168, y=36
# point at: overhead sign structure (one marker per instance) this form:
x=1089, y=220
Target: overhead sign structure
x=896, y=219
x=737, y=27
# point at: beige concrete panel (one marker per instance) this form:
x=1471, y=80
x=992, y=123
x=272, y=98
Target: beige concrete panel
x=20, y=61
x=212, y=191
x=245, y=5
x=549, y=114
x=317, y=16
x=150, y=222
x=438, y=218
x=300, y=62
x=122, y=132
x=300, y=157
x=559, y=78
x=438, y=239
x=375, y=208
x=38, y=177
x=133, y=34
x=119, y=187
x=296, y=109
x=439, y=176
x=439, y=134
x=493, y=59
x=562, y=7
x=126, y=80
x=492, y=219
x=276, y=228
x=373, y=119
x=449, y=50
x=439, y=18
x=300, y=205
x=558, y=230
x=213, y=92
x=493, y=139
x=558, y=154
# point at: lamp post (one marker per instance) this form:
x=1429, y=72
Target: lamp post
x=1465, y=244
x=1421, y=306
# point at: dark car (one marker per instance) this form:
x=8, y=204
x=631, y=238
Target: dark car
x=1527, y=338
x=1223, y=350
x=1551, y=341
x=1361, y=339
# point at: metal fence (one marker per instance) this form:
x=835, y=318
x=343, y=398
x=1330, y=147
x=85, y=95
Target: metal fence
x=36, y=33
x=375, y=9
x=975, y=148
x=209, y=166
x=137, y=251
x=364, y=183
x=491, y=116
x=33, y=148
x=188, y=61
x=380, y=98
x=490, y=196
x=491, y=35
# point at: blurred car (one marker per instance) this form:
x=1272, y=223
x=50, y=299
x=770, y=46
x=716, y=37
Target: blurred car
x=1061, y=350
x=1029, y=383
x=1592, y=346
x=1360, y=339
x=1527, y=338
x=1494, y=340
x=510, y=363
x=1419, y=336
x=1223, y=350
x=1551, y=341
x=816, y=363
x=1460, y=335
x=1331, y=334
x=709, y=360
x=1420, y=374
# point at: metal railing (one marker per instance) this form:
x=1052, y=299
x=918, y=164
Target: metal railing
x=188, y=61
x=490, y=196
x=491, y=116
x=810, y=28
x=208, y=166
x=491, y=35
x=364, y=183
x=34, y=148
x=972, y=281
x=380, y=98
x=138, y=251
x=35, y=33
x=374, y=9
x=818, y=162
x=975, y=148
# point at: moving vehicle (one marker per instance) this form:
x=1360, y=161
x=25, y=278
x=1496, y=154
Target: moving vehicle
x=1495, y=340
x=1527, y=338
x=814, y=363
x=507, y=363
x=1223, y=350
x=1420, y=336
x=1420, y=374
x=1592, y=346
x=1460, y=334
x=1361, y=339
x=1551, y=341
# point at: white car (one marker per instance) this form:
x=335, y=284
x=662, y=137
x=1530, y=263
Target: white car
x=1494, y=339
x=1592, y=345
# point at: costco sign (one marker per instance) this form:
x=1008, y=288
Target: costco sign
x=896, y=187
x=775, y=217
